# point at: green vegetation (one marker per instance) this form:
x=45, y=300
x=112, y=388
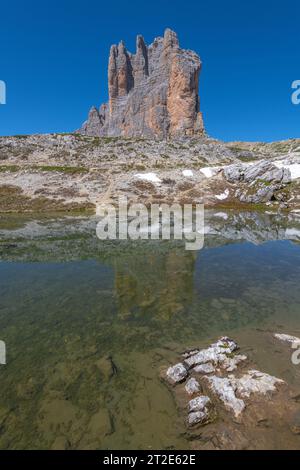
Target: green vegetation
x=263, y=182
x=19, y=136
x=71, y=170
x=9, y=168
x=12, y=200
x=239, y=206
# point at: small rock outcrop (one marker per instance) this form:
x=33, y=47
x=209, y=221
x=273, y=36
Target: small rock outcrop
x=225, y=410
x=260, y=182
x=152, y=93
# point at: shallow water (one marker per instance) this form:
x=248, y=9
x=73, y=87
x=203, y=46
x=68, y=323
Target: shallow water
x=88, y=325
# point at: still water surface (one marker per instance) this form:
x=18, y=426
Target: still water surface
x=87, y=326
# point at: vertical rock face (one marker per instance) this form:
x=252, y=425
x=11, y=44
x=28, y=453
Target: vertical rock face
x=152, y=93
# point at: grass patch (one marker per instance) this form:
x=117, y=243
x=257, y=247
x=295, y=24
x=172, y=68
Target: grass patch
x=20, y=136
x=9, y=168
x=263, y=182
x=70, y=170
x=12, y=200
x=247, y=159
x=238, y=206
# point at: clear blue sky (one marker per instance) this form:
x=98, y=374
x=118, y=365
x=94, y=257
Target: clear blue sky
x=54, y=60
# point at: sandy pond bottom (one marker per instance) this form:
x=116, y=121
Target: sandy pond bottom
x=87, y=332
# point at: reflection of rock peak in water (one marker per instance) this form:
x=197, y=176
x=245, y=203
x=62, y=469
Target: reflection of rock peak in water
x=158, y=282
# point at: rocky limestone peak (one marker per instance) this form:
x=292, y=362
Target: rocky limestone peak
x=140, y=65
x=152, y=93
x=170, y=39
x=119, y=71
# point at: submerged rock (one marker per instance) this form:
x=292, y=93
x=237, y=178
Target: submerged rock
x=255, y=381
x=216, y=353
x=107, y=367
x=61, y=443
x=267, y=399
x=295, y=423
x=231, y=363
x=192, y=386
x=206, y=368
x=229, y=389
x=197, y=417
x=225, y=390
x=187, y=354
x=100, y=425
x=176, y=373
x=199, y=403
x=287, y=338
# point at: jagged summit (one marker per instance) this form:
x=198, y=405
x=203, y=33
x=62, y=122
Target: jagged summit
x=152, y=93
